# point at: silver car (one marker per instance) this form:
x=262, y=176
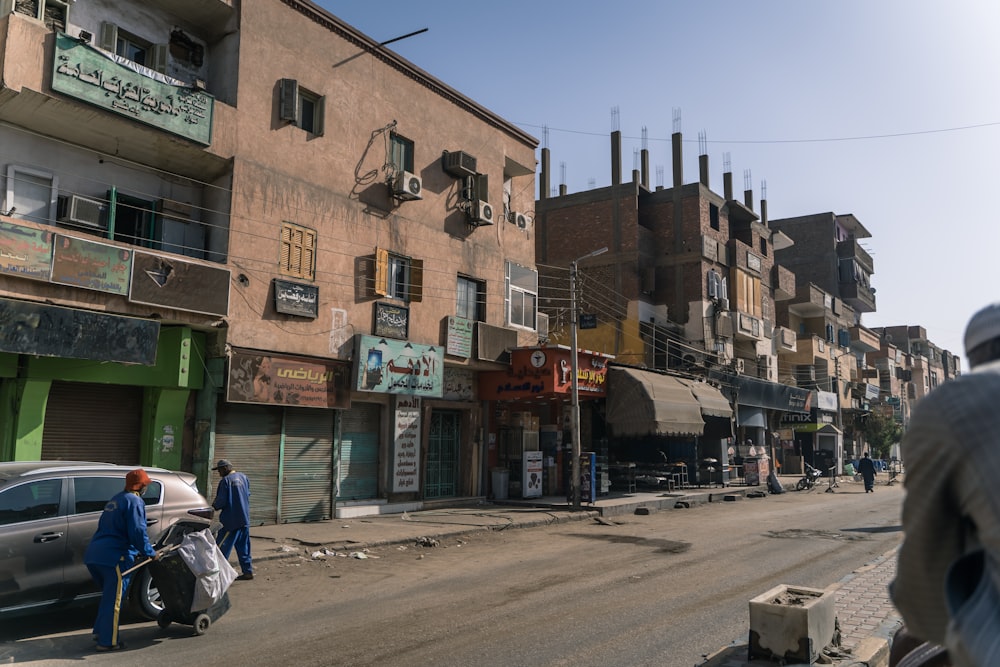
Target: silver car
x=48, y=514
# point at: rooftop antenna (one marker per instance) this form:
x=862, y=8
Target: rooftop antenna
x=727, y=164
x=677, y=119
x=645, y=138
x=747, y=180
x=702, y=142
x=659, y=176
x=562, y=173
x=635, y=158
x=763, y=189
x=616, y=122
x=545, y=136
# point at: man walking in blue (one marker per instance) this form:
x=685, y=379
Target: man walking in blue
x=120, y=538
x=232, y=499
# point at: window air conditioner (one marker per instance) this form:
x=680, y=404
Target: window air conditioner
x=542, y=325
x=82, y=211
x=407, y=186
x=519, y=219
x=480, y=213
x=740, y=365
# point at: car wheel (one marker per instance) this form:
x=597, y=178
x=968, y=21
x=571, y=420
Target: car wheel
x=146, y=600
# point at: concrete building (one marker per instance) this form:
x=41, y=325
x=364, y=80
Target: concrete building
x=278, y=242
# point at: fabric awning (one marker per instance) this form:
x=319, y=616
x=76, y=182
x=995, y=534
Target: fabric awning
x=711, y=400
x=817, y=428
x=647, y=403
x=751, y=416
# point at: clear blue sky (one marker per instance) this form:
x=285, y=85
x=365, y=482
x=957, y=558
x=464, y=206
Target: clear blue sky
x=887, y=109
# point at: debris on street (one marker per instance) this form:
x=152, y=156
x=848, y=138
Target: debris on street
x=427, y=542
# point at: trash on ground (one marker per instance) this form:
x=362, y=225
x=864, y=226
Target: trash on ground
x=426, y=542
x=286, y=549
x=323, y=553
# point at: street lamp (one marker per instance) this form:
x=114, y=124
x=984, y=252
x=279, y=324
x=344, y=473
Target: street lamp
x=574, y=379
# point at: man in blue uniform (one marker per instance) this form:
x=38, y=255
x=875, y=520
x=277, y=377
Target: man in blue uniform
x=120, y=537
x=232, y=499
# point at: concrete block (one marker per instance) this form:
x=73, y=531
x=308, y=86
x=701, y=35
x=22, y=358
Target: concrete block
x=792, y=623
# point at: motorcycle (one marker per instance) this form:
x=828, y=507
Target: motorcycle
x=808, y=480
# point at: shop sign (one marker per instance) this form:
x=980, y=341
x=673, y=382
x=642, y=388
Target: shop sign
x=547, y=370
x=826, y=400
x=390, y=366
x=391, y=320
x=459, y=337
x=296, y=299
x=123, y=87
x=588, y=321
x=459, y=385
x=871, y=391
x=25, y=252
x=173, y=283
x=54, y=331
x=406, y=441
x=256, y=377
x=90, y=265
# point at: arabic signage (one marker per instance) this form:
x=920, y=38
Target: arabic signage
x=25, y=252
x=392, y=321
x=136, y=92
x=256, y=377
x=54, y=331
x=459, y=338
x=173, y=283
x=536, y=372
x=459, y=384
x=406, y=441
x=296, y=299
x=96, y=266
x=391, y=366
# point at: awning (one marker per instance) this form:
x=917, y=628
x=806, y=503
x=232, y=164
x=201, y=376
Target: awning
x=647, y=403
x=711, y=400
x=750, y=416
x=817, y=428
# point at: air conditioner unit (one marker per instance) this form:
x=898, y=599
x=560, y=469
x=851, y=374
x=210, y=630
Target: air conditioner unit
x=459, y=164
x=542, y=325
x=519, y=219
x=723, y=304
x=480, y=213
x=407, y=186
x=740, y=365
x=82, y=211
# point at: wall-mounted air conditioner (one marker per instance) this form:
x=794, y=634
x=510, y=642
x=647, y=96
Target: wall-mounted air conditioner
x=740, y=365
x=480, y=213
x=542, y=326
x=459, y=164
x=82, y=211
x=407, y=186
x=519, y=219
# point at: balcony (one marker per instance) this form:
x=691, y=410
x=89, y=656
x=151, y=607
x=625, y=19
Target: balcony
x=783, y=283
x=858, y=296
x=133, y=131
x=810, y=301
x=785, y=340
x=863, y=339
x=851, y=249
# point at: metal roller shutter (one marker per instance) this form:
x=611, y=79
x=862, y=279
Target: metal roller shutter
x=92, y=422
x=250, y=437
x=358, y=474
x=307, y=468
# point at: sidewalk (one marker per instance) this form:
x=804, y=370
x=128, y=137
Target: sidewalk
x=866, y=616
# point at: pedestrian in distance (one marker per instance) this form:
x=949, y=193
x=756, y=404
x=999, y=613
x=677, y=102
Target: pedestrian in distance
x=118, y=542
x=232, y=499
x=945, y=586
x=867, y=469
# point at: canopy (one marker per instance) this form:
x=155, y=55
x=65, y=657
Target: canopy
x=648, y=403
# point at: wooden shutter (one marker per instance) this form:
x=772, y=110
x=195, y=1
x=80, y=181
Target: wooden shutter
x=288, y=104
x=318, y=113
x=298, y=251
x=109, y=36
x=381, y=272
x=416, y=286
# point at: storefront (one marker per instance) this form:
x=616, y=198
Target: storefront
x=278, y=425
x=528, y=420
x=815, y=436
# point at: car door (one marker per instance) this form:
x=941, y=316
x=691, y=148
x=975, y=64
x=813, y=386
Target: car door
x=33, y=543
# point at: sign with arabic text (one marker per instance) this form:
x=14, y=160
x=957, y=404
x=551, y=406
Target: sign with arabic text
x=164, y=280
x=25, y=251
x=459, y=339
x=130, y=90
x=390, y=366
x=255, y=377
x=96, y=266
x=296, y=299
x=406, y=441
x=391, y=320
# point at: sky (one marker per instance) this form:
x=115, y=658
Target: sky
x=885, y=109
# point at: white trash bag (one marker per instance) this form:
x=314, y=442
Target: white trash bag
x=213, y=573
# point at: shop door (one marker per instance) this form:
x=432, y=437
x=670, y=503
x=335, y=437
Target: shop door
x=249, y=436
x=442, y=455
x=358, y=473
x=307, y=467
x=92, y=422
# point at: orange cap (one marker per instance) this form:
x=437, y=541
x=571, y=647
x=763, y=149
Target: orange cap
x=136, y=480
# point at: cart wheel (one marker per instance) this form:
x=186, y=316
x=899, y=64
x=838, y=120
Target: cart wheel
x=201, y=624
x=163, y=619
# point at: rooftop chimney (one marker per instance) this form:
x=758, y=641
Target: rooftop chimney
x=727, y=185
x=678, y=162
x=543, y=186
x=616, y=157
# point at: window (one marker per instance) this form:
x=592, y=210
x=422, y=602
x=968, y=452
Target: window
x=471, y=301
x=763, y=246
x=31, y=195
x=398, y=277
x=713, y=216
x=134, y=48
x=31, y=501
x=401, y=152
x=300, y=106
x=298, y=251
x=522, y=296
x=93, y=493
x=52, y=12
